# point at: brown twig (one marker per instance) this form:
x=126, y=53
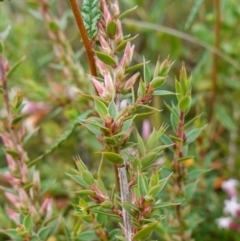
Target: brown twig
x=215, y=58
x=82, y=30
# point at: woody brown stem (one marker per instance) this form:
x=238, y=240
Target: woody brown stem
x=83, y=33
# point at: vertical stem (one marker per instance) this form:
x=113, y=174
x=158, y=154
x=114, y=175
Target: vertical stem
x=215, y=57
x=82, y=30
x=122, y=174
x=124, y=187
x=178, y=168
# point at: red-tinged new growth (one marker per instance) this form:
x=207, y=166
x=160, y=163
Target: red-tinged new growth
x=23, y=198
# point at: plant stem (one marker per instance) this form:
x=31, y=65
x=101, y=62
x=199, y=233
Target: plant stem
x=215, y=58
x=82, y=30
x=178, y=168
x=122, y=174
x=124, y=187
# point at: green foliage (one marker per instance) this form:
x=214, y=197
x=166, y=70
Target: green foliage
x=91, y=15
x=176, y=170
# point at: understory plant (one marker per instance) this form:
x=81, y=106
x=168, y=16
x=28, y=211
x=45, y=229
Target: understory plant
x=123, y=95
x=148, y=192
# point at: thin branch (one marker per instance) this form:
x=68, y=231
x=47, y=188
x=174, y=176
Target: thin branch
x=82, y=30
x=215, y=58
x=124, y=187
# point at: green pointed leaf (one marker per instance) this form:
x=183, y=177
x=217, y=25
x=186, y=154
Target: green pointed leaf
x=110, y=140
x=88, y=235
x=134, y=68
x=12, y=152
x=141, y=89
x=193, y=134
x=173, y=110
x=158, y=82
x=12, y=233
x=109, y=214
x=1, y=46
x=127, y=124
x=185, y=103
x=166, y=140
x=190, y=189
x=106, y=58
x=79, y=180
x=128, y=11
x=146, y=73
x=163, y=92
x=113, y=157
x=154, y=191
x=142, y=184
x=112, y=109
x=87, y=177
x=141, y=146
x=145, y=232
x=163, y=204
x=148, y=160
x=93, y=128
x=195, y=174
x=175, y=138
x=192, y=120
x=224, y=118
x=44, y=232
x=28, y=222
x=130, y=205
x=17, y=119
x=111, y=28
x=174, y=122
x=15, y=66
x=91, y=14
x=101, y=108
x=121, y=46
x=163, y=182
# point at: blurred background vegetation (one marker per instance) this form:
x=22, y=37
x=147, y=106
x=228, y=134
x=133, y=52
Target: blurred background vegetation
x=203, y=34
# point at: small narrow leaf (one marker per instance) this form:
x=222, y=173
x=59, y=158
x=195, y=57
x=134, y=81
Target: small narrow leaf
x=87, y=177
x=113, y=157
x=111, y=28
x=185, y=103
x=128, y=11
x=193, y=134
x=121, y=46
x=146, y=73
x=190, y=189
x=163, y=182
x=163, y=92
x=148, y=160
x=142, y=184
x=112, y=109
x=141, y=146
x=145, y=232
x=157, y=82
x=163, y=204
x=106, y=58
x=101, y=108
x=195, y=174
